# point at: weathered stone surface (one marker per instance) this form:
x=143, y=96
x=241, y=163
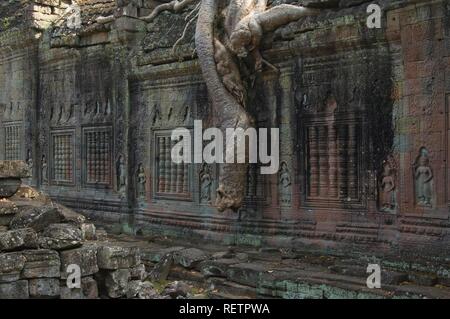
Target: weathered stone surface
x=37, y=218
x=28, y=194
x=141, y=290
x=85, y=257
x=9, y=186
x=246, y=273
x=14, y=290
x=11, y=265
x=14, y=169
x=18, y=239
x=162, y=269
x=88, y=290
x=88, y=231
x=190, y=257
x=70, y=293
x=7, y=211
x=44, y=288
x=138, y=272
x=115, y=257
x=155, y=256
x=217, y=267
x=116, y=282
x=69, y=216
x=41, y=263
x=177, y=289
x=60, y=236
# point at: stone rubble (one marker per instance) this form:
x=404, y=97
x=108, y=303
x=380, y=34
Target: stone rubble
x=39, y=240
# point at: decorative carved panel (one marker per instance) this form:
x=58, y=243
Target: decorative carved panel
x=62, y=157
x=333, y=159
x=97, y=156
x=13, y=141
x=172, y=180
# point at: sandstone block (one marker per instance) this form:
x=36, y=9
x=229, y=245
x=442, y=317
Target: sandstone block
x=41, y=263
x=190, y=257
x=116, y=282
x=85, y=257
x=37, y=218
x=115, y=257
x=88, y=290
x=18, y=239
x=44, y=288
x=141, y=290
x=14, y=290
x=14, y=169
x=60, y=237
x=11, y=265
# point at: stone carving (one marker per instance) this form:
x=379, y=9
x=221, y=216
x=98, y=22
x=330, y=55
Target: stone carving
x=141, y=180
x=284, y=184
x=220, y=43
x=205, y=185
x=30, y=160
x=121, y=174
x=388, y=201
x=423, y=177
x=44, y=170
x=62, y=168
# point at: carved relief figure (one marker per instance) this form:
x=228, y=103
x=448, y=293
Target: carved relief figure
x=121, y=174
x=205, y=185
x=423, y=176
x=284, y=185
x=141, y=182
x=44, y=170
x=387, y=189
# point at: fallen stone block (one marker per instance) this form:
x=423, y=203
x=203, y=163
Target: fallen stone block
x=217, y=267
x=115, y=282
x=11, y=265
x=115, y=257
x=41, y=263
x=190, y=257
x=7, y=211
x=69, y=216
x=14, y=290
x=37, y=218
x=44, y=288
x=246, y=273
x=60, y=237
x=85, y=257
x=18, y=239
x=11, y=173
x=162, y=269
x=28, y=194
x=14, y=169
x=155, y=256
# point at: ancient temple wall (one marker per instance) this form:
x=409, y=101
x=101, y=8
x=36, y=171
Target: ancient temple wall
x=18, y=94
x=363, y=117
x=82, y=133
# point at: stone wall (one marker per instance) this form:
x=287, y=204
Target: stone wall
x=363, y=116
